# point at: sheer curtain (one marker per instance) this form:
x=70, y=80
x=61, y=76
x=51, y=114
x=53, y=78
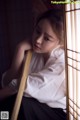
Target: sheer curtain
x=72, y=44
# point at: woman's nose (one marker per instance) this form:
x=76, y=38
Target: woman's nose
x=39, y=39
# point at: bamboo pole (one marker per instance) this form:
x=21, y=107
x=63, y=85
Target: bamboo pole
x=22, y=86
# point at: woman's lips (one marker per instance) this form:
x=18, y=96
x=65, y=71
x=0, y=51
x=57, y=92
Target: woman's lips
x=36, y=46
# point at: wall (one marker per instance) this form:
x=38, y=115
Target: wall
x=16, y=24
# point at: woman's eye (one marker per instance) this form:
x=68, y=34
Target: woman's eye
x=46, y=38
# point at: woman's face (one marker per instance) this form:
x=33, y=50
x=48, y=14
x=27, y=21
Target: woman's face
x=44, y=38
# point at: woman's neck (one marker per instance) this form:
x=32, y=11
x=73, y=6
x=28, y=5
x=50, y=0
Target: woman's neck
x=45, y=56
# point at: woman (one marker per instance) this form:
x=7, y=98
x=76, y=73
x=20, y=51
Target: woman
x=45, y=94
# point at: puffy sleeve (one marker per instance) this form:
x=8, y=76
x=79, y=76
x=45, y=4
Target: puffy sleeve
x=48, y=83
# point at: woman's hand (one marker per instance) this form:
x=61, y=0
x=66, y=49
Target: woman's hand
x=20, y=54
x=16, y=68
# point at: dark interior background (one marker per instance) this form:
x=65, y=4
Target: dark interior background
x=17, y=18
x=16, y=24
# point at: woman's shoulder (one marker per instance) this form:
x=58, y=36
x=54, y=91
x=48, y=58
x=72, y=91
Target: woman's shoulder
x=57, y=52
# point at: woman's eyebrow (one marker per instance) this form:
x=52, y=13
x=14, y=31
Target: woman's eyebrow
x=38, y=27
x=49, y=35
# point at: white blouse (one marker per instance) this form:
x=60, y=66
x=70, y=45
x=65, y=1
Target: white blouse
x=46, y=82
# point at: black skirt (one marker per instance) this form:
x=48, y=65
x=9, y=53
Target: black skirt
x=31, y=109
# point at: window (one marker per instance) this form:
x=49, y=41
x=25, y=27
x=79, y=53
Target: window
x=72, y=44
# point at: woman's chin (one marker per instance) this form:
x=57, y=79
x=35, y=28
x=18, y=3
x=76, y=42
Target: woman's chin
x=37, y=50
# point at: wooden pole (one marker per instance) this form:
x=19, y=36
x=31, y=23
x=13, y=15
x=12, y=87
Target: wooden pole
x=22, y=86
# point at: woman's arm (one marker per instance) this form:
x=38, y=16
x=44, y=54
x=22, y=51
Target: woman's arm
x=16, y=66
